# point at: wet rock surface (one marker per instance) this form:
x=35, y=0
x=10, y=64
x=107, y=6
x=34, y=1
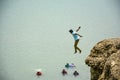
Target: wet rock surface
x=104, y=60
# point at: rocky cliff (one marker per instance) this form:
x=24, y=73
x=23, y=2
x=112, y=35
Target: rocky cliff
x=104, y=60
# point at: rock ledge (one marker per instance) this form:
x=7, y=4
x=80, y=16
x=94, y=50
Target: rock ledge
x=104, y=60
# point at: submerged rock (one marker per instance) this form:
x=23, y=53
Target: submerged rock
x=104, y=60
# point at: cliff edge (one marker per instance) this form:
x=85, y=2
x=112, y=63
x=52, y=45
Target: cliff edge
x=104, y=60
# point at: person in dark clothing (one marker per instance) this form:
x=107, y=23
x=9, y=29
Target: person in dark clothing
x=75, y=73
x=64, y=72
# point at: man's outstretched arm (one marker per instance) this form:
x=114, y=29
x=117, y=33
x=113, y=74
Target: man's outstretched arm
x=79, y=35
x=78, y=29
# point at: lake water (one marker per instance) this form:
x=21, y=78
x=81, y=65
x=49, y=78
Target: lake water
x=19, y=62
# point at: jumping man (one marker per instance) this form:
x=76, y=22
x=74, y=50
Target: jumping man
x=76, y=37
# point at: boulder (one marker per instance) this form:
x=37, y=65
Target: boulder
x=104, y=60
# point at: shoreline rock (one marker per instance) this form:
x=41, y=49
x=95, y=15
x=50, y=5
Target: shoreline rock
x=104, y=60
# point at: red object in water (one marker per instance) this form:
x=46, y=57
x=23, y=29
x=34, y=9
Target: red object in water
x=64, y=72
x=39, y=73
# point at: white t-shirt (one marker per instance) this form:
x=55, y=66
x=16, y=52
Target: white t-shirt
x=76, y=37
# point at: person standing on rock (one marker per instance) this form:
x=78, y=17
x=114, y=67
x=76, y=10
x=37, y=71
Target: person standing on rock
x=76, y=37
